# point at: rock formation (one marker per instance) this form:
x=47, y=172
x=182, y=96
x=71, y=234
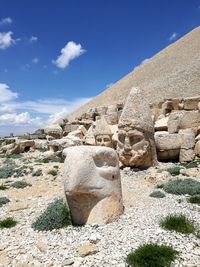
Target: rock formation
x=103, y=134
x=136, y=146
x=93, y=186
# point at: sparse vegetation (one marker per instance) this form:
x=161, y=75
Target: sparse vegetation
x=182, y=187
x=54, y=217
x=20, y=184
x=42, y=149
x=7, y=223
x=13, y=156
x=174, y=171
x=3, y=201
x=152, y=255
x=194, y=199
x=192, y=164
x=53, y=172
x=37, y=172
x=3, y=187
x=8, y=169
x=178, y=223
x=157, y=194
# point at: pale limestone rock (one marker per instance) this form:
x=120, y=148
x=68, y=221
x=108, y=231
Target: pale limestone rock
x=87, y=249
x=191, y=103
x=187, y=153
x=183, y=120
x=54, y=130
x=103, y=134
x=90, y=137
x=136, y=145
x=41, y=143
x=197, y=148
x=18, y=206
x=167, y=145
x=161, y=124
x=93, y=186
x=167, y=107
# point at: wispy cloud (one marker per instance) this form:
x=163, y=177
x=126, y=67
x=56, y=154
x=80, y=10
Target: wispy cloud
x=6, y=94
x=5, y=21
x=68, y=53
x=23, y=116
x=33, y=39
x=173, y=36
x=6, y=40
x=35, y=60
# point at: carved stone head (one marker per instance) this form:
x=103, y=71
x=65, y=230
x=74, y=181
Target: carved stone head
x=136, y=147
x=92, y=183
x=103, y=134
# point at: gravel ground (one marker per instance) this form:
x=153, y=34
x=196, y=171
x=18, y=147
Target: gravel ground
x=21, y=246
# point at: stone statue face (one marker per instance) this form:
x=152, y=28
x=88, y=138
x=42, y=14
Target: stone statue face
x=97, y=171
x=133, y=147
x=103, y=140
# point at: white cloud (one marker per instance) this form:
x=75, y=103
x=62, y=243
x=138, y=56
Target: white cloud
x=6, y=94
x=26, y=116
x=35, y=60
x=5, y=21
x=173, y=36
x=68, y=53
x=6, y=40
x=33, y=39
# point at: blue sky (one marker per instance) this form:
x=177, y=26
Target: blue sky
x=55, y=55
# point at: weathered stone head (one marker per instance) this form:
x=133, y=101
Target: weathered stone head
x=92, y=184
x=136, y=146
x=103, y=134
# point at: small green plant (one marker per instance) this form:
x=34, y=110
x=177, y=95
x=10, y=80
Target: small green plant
x=3, y=187
x=157, y=194
x=178, y=223
x=54, y=217
x=53, y=172
x=42, y=149
x=194, y=199
x=7, y=223
x=182, y=187
x=37, y=172
x=13, y=156
x=40, y=161
x=20, y=184
x=3, y=201
x=174, y=171
x=192, y=164
x=8, y=169
x=152, y=255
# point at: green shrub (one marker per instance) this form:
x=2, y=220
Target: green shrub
x=174, y=171
x=182, y=187
x=3, y=201
x=3, y=187
x=8, y=169
x=13, y=156
x=157, y=194
x=37, y=172
x=54, y=217
x=194, y=199
x=178, y=223
x=7, y=223
x=192, y=164
x=152, y=255
x=20, y=184
x=42, y=149
x=53, y=172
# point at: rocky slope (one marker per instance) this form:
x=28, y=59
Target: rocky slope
x=22, y=246
x=173, y=72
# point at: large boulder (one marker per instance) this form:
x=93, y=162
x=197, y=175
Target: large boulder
x=93, y=186
x=167, y=146
x=54, y=130
x=183, y=120
x=187, y=153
